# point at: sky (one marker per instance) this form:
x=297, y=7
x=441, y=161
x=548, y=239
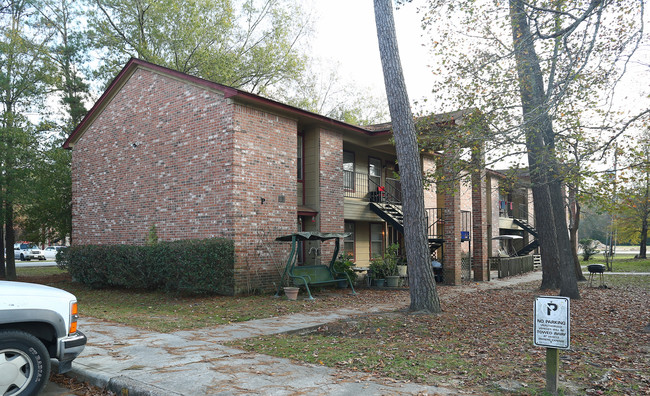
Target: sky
x=346, y=33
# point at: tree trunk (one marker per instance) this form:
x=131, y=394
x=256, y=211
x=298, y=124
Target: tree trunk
x=568, y=280
x=550, y=214
x=644, y=220
x=644, y=239
x=422, y=285
x=10, y=240
x=574, y=226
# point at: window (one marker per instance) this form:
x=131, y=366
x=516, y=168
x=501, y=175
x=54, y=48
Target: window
x=300, y=159
x=374, y=173
x=348, y=242
x=348, y=170
x=376, y=239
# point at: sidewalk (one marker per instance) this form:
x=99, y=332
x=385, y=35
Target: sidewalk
x=131, y=361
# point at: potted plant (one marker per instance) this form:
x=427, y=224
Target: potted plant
x=377, y=270
x=342, y=266
x=402, y=269
x=391, y=258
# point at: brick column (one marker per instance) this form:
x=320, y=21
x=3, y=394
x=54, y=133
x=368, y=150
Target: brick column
x=330, y=215
x=451, y=260
x=480, y=237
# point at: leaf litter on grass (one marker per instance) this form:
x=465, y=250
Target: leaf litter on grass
x=483, y=341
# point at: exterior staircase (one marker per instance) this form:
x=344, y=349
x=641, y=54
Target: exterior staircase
x=393, y=215
x=532, y=231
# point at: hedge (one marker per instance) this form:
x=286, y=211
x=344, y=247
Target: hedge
x=197, y=266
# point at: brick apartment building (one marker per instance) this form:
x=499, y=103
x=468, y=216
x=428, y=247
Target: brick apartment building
x=198, y=159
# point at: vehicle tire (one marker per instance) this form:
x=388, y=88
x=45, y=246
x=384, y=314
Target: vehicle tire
x=22, y=257
x=24, y=364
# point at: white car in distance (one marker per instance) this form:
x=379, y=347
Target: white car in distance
x=27, y=251
x=50, y=252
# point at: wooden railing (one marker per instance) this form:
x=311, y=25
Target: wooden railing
x=511, y=266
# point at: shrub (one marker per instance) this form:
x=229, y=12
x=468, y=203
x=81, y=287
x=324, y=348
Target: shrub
x=588, y=247
x=189, y=266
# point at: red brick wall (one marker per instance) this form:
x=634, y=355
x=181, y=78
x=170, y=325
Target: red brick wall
x=264, y=167
x=160, y=153
x=171, y=154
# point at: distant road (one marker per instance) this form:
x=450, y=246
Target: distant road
x=35, y=263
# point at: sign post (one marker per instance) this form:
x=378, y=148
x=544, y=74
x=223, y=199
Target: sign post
x=552, y=329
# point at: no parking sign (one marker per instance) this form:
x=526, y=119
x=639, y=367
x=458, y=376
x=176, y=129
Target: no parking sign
x=552, y=322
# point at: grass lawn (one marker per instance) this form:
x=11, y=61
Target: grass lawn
x=482, y=340
x=163, y=312
x=622, y=263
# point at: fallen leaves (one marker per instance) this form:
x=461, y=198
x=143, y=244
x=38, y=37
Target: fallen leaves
x=484, y=338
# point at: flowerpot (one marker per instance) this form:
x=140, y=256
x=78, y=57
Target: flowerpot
x=379, y=282
x=291, y=293
x=342, y=283
x=392, y=281
x=401, y=270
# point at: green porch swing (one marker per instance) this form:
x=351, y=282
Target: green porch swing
x=313, y=275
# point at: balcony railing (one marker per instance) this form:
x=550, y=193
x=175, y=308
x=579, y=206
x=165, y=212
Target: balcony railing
x=370, y=188
x=436, y=223
x=508, y=209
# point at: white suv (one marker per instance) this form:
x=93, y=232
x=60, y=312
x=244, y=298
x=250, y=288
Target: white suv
x=28, y=251
x=37, y=323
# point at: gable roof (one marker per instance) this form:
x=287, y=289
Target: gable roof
x=242, y=96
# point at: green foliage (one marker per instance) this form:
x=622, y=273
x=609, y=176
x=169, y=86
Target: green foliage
x=633, y=205
x=25, y=74
x=188, y=266
x=381, y=267
x=251, y=47
x=594, y=225
x=48, y=212
x=152, y=236
x=588, y=247
x=344, y=264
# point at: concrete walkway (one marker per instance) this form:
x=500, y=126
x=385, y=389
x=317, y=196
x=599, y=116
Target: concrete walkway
x=131, y=361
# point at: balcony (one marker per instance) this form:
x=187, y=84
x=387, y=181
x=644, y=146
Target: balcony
x=385, y=197
x=510, y=210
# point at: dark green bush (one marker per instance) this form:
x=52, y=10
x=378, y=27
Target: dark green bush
x=190, y=266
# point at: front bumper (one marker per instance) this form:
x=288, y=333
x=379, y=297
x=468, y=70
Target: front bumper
x=69, y=348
